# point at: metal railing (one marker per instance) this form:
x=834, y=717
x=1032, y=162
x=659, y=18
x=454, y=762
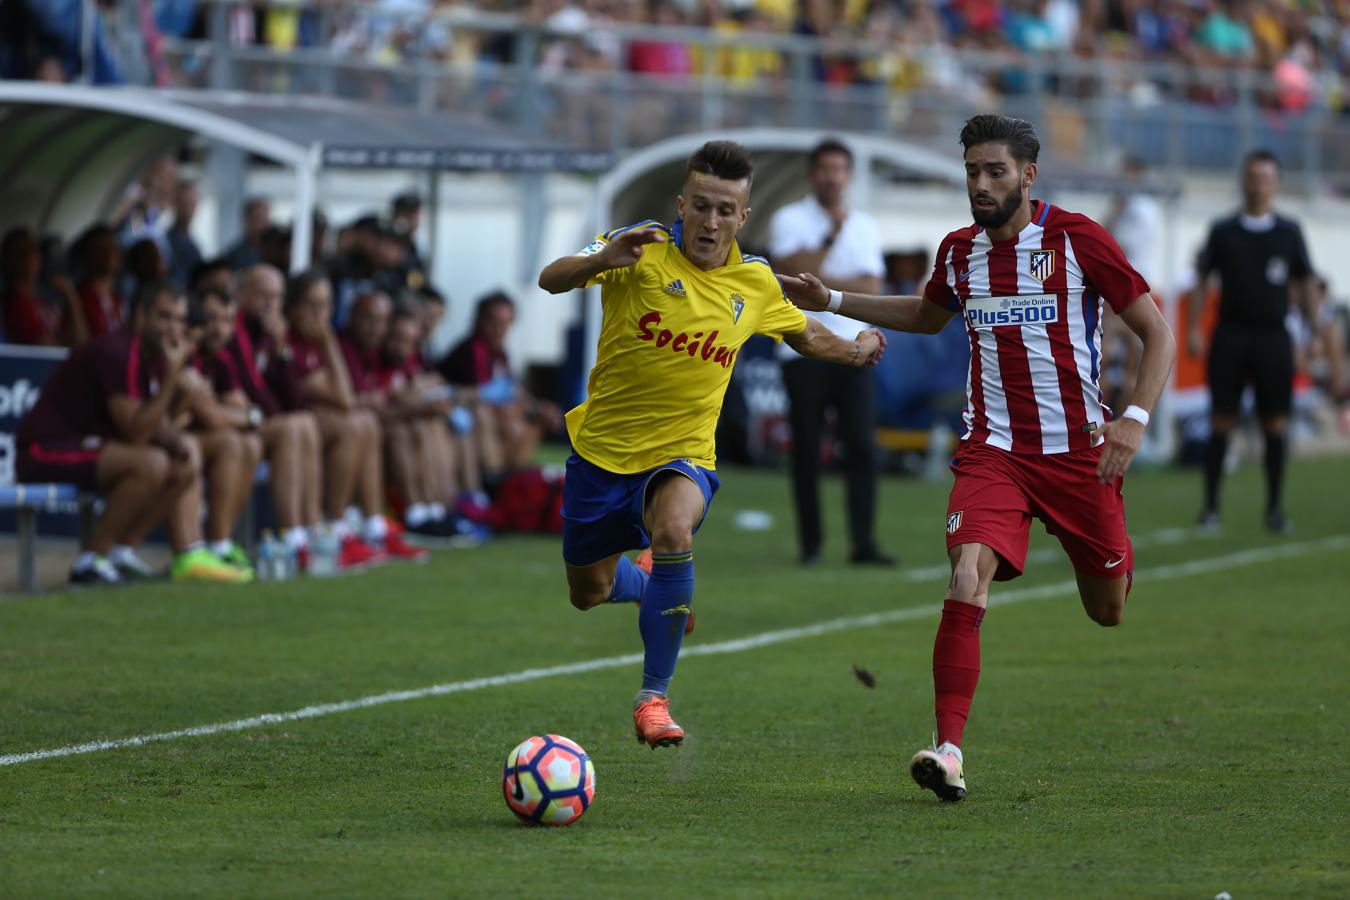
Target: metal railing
x=580, y=89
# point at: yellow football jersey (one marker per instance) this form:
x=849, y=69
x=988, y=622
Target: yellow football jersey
x=668, y=341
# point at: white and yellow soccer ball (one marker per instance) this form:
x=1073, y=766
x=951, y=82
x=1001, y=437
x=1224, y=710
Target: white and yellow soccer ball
x=548, y=780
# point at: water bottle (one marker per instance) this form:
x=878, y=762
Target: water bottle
x=265, y=569
x=288, y=564
x=323, y=562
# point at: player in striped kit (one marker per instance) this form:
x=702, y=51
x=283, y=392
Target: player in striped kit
x=1030, y=280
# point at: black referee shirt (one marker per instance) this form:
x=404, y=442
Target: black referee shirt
x=1255, y=266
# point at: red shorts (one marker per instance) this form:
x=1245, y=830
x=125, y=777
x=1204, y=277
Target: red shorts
x=997, y=493
x=72, y=461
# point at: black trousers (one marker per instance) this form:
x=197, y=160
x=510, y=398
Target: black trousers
x=812, y=387
x=1261, y=357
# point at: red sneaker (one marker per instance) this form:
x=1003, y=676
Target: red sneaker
x=397, y=548
x=644, y=562
x=355, y=555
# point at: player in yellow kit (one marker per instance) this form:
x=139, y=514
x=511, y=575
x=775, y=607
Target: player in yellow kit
x=679, y=302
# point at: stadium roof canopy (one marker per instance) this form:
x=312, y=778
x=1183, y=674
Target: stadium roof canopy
x=69, y=151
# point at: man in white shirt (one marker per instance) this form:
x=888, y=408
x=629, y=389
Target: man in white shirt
x=819, y=234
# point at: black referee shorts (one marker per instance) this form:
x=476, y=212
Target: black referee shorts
x=1261, y=357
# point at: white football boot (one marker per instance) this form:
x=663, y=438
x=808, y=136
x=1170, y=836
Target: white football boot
x=938, y=769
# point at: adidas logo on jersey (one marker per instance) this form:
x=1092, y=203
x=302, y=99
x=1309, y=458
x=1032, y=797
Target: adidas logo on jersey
x=675, y=288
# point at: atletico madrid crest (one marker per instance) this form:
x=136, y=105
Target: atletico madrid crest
x=1042, y=264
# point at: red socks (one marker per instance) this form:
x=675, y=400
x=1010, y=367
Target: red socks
x=956, y=667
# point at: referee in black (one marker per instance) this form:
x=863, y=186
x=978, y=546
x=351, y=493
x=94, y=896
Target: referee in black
x=1262, y=264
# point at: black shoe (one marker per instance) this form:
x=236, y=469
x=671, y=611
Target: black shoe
x=99, y=572
x=811, y=559
x=432, y=528
x=873, y=558
x=1208, y=521
x=1278, y=523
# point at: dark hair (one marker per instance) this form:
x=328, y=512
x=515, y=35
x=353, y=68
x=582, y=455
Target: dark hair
x=428, y=294
x=727, y=160
x=407, y=202
x=150, y=291
x=826, y=147
x=300, y=284
x=485, y=304
x=1018, y=135
x=211, y=292
x=13, y=238
x=1260, y=155
x=202, y=270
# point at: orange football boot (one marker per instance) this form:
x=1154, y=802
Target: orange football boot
x=653, y=725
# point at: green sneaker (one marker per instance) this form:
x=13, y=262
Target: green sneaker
x=203, y=565
x=237, y=558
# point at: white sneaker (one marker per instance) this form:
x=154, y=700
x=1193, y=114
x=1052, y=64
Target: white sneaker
x=129, y=565
x=939, y=770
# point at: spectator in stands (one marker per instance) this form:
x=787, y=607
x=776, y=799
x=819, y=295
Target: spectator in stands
x=215, y=273
x=34, y=312
x=511, y=423
x=247, y=251
x=1327, y=350
x=102, y=423
x=274, y=247
x=1136, y=222
x=318, y=239
x=99, y=261
x=184, y=254
x=417, y=450
x=291, y=440
x=406, y=218
x=430, y=306
x=353, y=464
x=144, y=210
x=355, y=268
x=144, y=265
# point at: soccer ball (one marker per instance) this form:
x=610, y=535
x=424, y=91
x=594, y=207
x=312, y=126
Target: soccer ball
x=548, y=780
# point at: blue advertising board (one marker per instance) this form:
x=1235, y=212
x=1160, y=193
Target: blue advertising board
x=23, y=372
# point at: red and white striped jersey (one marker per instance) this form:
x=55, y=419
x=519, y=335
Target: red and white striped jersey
x=1033, y=312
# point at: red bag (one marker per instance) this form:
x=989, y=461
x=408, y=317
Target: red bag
x=529, y=500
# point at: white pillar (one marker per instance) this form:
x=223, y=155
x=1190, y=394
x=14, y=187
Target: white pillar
x=302, y=220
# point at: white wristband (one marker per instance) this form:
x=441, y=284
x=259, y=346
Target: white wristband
x=836, y=300
x=1138, y=413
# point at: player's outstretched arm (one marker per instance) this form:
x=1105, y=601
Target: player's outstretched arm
x=1125, y=434
x=569, y=272
x=819, y=342
x=897, y=313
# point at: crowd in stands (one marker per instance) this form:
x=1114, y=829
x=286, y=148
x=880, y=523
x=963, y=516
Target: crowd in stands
x=1303, y=46
x=188, y=372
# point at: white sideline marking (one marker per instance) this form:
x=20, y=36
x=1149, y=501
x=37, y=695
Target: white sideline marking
x=764, y=639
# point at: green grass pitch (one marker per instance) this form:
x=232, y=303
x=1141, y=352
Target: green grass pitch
x=1202, y=747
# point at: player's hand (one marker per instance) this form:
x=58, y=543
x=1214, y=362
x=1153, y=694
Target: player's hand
x=873, y=344
x=176, y=350
x=1195, y=342
x=1123, y=437
x=274, y=323
x=192, y=384
x=181, y=447
x=805, y=291
x=626, y=249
